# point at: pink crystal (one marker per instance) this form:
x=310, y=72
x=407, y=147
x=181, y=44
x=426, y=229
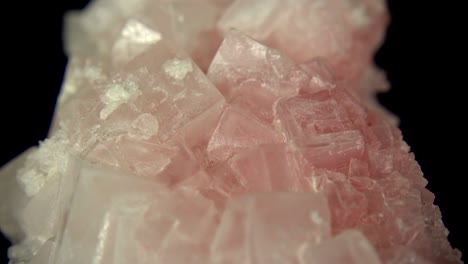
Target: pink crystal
x=220, y=131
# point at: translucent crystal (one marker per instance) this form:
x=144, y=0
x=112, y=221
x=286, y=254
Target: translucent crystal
x=219, y=131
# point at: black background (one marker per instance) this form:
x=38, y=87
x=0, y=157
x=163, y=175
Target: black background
x=423, y=56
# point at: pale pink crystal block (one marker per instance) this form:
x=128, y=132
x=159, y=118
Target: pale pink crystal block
x=277, y=223
x=345, y=34
x=237, y=131
x=41, y=192
x=253, y=76
x=44, y=254
x=241, y=59
x=129, y=217
x=347, y=204
x=403, y=256
x=179, y=227
x=151, y=99
x=270, y=157
x=118, y=31
x=349, y=247
x=13, y=197
x=268, y=168
x=116, y=203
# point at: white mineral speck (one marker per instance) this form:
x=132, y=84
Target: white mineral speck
x=102, y=239
x=359, y=17
x=31, y=181
x=144, y=127
x=117, y=94
x=24, y=250
x=93, y=73
x=400, y=224
x=365, y=245
x=318, y=239
x=139, y=33
x=318, y=81
x=69, y=89
x=44, y=164
x=180, y=18
x=316, y=218
x=178, y=68
x=302, y=250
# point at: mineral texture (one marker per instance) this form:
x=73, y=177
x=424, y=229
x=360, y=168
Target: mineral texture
x=222, y=132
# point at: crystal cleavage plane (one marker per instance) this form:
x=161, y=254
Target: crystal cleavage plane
x=219, y=132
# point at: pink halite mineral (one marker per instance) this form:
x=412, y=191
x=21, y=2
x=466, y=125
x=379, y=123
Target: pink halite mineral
x=219, y=131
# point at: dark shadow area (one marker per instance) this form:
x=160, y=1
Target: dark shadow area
x=4, y=245
x=35, y=63
x=419, y=56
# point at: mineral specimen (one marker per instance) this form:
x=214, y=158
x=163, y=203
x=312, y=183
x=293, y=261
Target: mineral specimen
x=220, y=131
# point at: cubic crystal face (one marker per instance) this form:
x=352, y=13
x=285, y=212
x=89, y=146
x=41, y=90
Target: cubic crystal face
x=222, y=131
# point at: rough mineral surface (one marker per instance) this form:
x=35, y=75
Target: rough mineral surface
x=222, y=132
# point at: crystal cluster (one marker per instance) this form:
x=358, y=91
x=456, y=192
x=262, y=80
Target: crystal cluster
x=219, y=132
